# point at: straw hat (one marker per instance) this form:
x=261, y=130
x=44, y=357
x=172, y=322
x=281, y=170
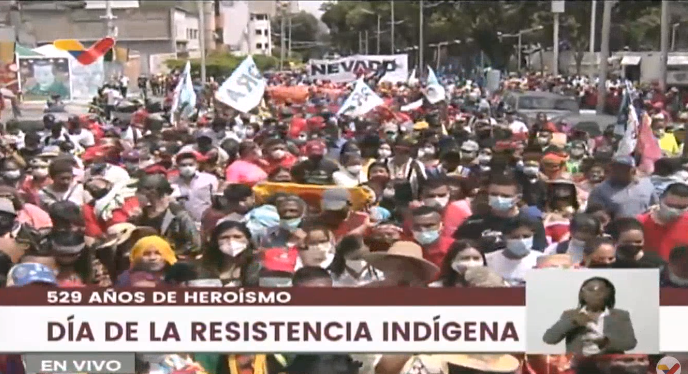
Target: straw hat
x=121, y=232
x=405, y=250
x=493, y=363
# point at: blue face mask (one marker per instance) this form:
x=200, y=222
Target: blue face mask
x=519, y=248
x=501, y=204
x=291, y=224
x=426, y=237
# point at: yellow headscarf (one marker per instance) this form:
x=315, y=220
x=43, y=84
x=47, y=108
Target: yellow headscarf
x=156, y=242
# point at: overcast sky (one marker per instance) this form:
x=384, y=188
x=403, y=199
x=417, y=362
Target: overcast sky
x=312, y=7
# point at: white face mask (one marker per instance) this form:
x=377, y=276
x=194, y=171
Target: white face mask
x=437, y=202
x=40, y=172
x=278, y=154
x=462, y=266
x=233, y=248
x=356, y=265
x=384, y=153
x=354, y=169
x=327, y=262
x=187, y=171
x=12, y=174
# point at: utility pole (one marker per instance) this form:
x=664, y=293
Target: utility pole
x=202, y=31
x=604, y=56
x=664, y=45
x=109, y=19
x=593, y=19
x=558, y=7
x=421, y=66
x=283, y=40
x=391, y=35
x=379, y=33
x=289, y=40
x=366, y=40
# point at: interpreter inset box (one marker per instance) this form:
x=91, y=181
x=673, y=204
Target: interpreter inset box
x=592, y=311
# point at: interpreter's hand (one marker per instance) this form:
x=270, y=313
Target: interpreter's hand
x=581, y=318
x=601, y=342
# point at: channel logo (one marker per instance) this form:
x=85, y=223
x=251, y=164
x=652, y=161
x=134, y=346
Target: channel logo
x=668, y=365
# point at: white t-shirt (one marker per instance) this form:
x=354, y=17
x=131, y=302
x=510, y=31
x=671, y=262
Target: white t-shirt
x=113, y=96
x=513, y=271
x=518, y=127
x=124, y=81
x=85, y=138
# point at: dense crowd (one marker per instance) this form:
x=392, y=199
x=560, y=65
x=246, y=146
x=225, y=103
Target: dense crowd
x=461, y=193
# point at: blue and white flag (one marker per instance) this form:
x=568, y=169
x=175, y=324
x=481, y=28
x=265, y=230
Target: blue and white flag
x=629, y=114
x=184, y=99
x=244, y=89
x=435, y=92
x=361, y=101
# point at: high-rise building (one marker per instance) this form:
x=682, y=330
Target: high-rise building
x=247, y=25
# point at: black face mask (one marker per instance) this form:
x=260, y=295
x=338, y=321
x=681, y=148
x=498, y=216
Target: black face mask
x=99, y=193
x=315, y=158
x=629, y=250
x=600, y=266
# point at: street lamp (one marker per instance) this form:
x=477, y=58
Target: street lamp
x=379, y=21
x=674, y=27
x=439, y=48
x=519, y=35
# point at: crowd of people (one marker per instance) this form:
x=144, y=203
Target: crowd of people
x=462, y=193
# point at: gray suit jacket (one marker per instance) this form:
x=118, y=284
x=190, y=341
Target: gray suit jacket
x=617, y=329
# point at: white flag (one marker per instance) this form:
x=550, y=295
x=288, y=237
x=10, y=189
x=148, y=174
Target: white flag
x=184, y=98
x=412, y=80
x=244, y=89
x=434, y=90
x=361, y=101
x=412, y=106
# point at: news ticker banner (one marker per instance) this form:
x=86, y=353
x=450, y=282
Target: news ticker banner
x=294, y=320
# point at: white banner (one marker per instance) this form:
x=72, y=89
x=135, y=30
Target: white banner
x=296, y=329
x=244, y=89
x=361, y=101
x=345, y=69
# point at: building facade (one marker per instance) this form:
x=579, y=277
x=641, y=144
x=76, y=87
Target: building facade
x=247, y=25
x=145, y=30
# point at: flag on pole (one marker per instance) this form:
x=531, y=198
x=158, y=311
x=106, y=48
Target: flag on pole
x=361, y=100
x=434, y=90
x=184, y=99
x=627, y=124
x=244, y=89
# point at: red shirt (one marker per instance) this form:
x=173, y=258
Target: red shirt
x=96, y=228
x=661, y=239
x=286, y=162
x=436, y=252
x=355, y=220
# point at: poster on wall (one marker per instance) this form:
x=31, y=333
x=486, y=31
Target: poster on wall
x=42, y=77
x=86, y=79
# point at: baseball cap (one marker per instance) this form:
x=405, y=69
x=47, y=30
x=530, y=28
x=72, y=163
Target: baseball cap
x=205, y=133
x=315, y=148
x=624, y=160
x=470, y=146
x=6, y=206
x=28, y=273
x=335, y=199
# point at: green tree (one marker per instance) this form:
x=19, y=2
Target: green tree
x=305, y=32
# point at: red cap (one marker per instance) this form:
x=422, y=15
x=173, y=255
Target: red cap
x=297, y=126
x=315, y=148
x=94, y=153
x=315, y=123
x=277, y=259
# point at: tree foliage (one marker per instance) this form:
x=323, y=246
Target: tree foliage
x=635, y=24
x=222, y=64
x=305, y=32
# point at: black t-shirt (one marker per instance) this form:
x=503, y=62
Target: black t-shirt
x=312, y=172
x=488, y=230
